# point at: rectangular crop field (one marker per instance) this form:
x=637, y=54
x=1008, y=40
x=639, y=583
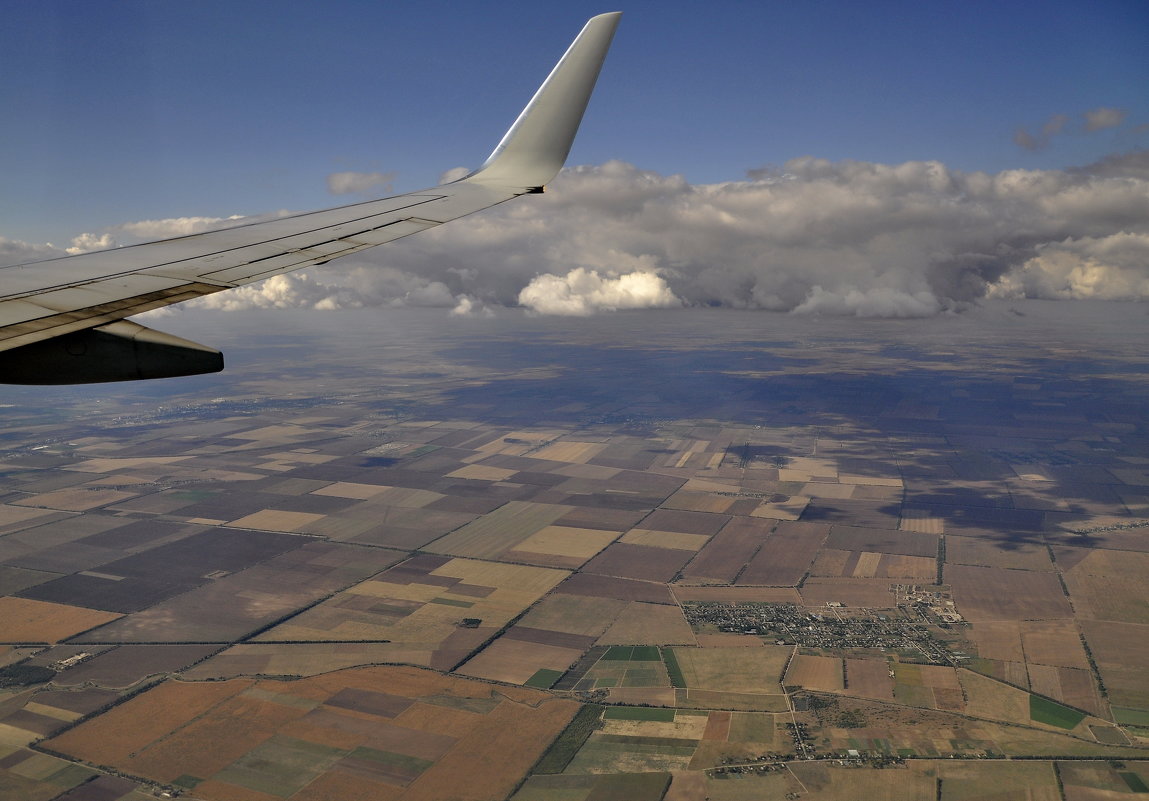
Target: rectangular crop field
x=1054, y=714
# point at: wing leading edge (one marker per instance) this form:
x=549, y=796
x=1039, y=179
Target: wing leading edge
x=61, y=320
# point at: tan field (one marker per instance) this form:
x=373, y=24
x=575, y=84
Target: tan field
x=736, y=670
x=501, y=530
x=921, y=521
x=466, y=740
x=275, y=520
x=421, y=619
x=665, y=539
x=1111, y=585
x=820, y=673
x=561, y=546
x=348, y=489
x=998, y=639
x=574, y=614
x=576, y=452
x=735, y=595
x=481, y=473
x=130, y=727
x=75, y=499
x=26, y=620
x=648, y=624
x=1053, y=642
x=869, y=678
x=514, y=661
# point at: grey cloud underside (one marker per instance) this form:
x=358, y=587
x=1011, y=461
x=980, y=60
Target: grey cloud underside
x=851, y=238
x=848, y=237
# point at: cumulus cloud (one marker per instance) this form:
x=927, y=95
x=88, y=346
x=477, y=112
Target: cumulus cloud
x=1101, y=118
x=583, y=292
x=176, y=226
x=148, y=230
x=359, y=183
x=469, y=307
x=913, y=238
x=288, y=291
x=378, y=287
x=808, y=236
x=14, y=251
x=1114, y=267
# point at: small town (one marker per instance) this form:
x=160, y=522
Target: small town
x=905, y=628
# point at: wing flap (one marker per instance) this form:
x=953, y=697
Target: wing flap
x=201, y=264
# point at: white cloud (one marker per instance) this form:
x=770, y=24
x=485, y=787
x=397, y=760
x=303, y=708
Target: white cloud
x=175, y=226
x=469, y=307
x=1114, y=267
x=850, y=238
x=288, y=291
x=454, y=174
x=359, y=183
x=583, y=292
x=14, y=251
x=85, y=243
x=1101, y=118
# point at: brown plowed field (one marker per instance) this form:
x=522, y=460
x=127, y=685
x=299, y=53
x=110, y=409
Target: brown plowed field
x=648, y=624
x=728, y=551
x=786, y=555
x=998, y=639
x=734, y=595
x=993, y=593
x=869, y=678
x=479, y=742
x=489, y=763
x=638, y=562
x=882, y=540
x=871, y=592
x=109, y=738
x=1053, y=642
x=977, y=551
x=589, y=584
x=685, y=522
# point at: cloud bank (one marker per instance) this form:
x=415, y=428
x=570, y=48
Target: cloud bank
x=811, y=237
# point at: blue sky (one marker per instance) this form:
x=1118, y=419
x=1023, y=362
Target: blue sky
x=122, y=111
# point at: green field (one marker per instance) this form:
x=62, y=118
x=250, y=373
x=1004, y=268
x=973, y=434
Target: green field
x=672, y=668
x=567, y=744
x=1134, y=782
x=1052, y=713
x=600, y=787
x=544, y=678
x=1131, y=717
x=639, y=713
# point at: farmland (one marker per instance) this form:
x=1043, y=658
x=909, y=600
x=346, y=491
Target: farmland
x=411, y=585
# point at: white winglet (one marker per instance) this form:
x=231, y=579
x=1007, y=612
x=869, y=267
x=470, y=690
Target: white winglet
x=533, y=151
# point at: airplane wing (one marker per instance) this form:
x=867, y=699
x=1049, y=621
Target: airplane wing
x=61, y=320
